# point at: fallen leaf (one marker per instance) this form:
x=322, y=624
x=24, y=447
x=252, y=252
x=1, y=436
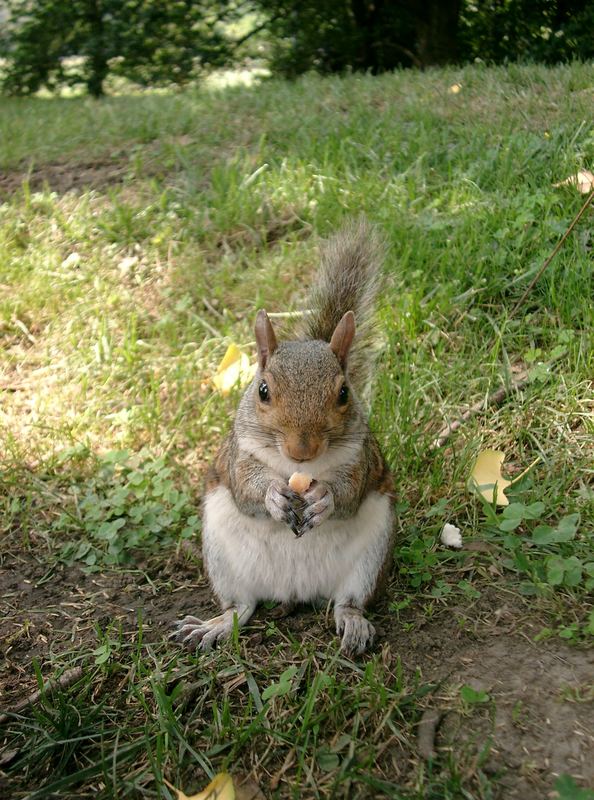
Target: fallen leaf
x=8, y=756
x=583, y=181
x=235, y=368
x=232, y=354
x=450, y=536
x=486, y=477
x=220, y=788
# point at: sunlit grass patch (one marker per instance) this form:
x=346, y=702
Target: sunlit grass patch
x=118, y=302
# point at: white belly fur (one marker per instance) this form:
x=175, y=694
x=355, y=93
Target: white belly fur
x=252, y=559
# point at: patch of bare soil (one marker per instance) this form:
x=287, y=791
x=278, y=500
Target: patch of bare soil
x=542, y=724
x=538, y=722
x=47, y=614
x=65, y=177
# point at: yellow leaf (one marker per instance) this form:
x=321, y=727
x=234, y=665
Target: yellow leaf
x=583, y=180
x=486, y=477
x=455, y=88
x=233, y=354
x=220, y=788
x=235, y=368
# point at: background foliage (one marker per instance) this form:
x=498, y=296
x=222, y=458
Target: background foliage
x=147, y=41
x=51, y=43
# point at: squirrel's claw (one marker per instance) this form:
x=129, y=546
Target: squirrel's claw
x=294, y=522
x=309, y=520
x=300, y=512
x=320, y=505
x=301, y=530
x=285, y=505
x=296, y=500
x=192, y=632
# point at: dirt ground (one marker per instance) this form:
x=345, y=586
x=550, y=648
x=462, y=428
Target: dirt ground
x=63, y=177
x=539, y=723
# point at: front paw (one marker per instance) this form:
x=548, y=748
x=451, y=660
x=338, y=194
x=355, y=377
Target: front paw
x=319, y=506
x=284, y=505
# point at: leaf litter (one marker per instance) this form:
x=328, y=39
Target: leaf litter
x=234, y=370
x=583, y=181
x=486, y=477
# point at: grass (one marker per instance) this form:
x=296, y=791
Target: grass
x=117, y=303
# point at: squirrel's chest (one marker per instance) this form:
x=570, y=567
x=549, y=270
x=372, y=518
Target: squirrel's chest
x=264, y=559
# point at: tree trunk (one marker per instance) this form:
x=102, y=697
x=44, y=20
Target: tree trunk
x=96, y=78
x=436, y=23
x=97, y=58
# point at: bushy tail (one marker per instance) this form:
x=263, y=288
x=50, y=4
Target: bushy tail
x=348, y=280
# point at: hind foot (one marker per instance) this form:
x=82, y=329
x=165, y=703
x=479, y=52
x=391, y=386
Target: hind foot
x=357, y=632
x=193, y=632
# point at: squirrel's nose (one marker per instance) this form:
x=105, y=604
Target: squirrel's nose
x=303, y=447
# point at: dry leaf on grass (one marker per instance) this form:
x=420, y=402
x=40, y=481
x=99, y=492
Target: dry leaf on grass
x=220, y=788
x=583, y=180
x=486, y=477
x=235, y=368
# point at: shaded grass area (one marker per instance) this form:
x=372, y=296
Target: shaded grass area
x=137, y=238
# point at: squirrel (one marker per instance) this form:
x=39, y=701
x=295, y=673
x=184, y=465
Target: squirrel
x=262, y=541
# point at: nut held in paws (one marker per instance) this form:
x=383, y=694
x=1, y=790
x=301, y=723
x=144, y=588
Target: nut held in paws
x=299, y=482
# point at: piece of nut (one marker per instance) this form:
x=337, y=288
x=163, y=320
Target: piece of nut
x=300, y=481
x=451, y=536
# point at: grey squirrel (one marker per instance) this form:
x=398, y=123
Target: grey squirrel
x=261, y=540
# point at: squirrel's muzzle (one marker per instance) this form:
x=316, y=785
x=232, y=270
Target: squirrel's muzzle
x=303, y=446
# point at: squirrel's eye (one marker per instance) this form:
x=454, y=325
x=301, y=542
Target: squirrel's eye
x=263, y=392
x=343, y=395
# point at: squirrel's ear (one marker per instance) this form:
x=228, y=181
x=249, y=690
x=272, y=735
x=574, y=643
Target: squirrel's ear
x=342, y=338
x=265, y=338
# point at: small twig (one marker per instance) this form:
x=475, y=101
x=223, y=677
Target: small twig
x=426, y=730
x=288, y=762
x=23, y=328
x=494, y=399
x=217, y=334
x=212, y=309
x=255, y=30
x=172, y=787
x=63, y=682
x=525, y=471
x=288, y=314
x=556, y=249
